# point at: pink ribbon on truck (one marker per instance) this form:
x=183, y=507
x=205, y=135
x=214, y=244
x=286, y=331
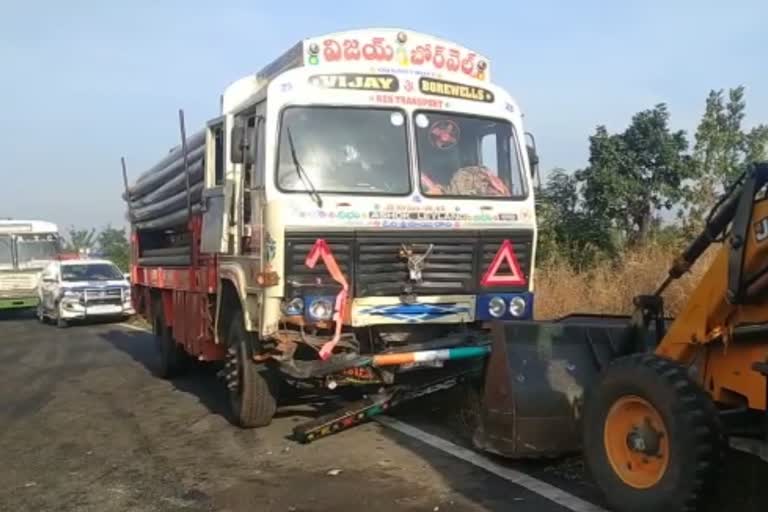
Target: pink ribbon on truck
x=321, y=251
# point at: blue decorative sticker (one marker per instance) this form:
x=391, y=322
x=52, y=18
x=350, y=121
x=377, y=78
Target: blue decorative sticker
x=415, y=313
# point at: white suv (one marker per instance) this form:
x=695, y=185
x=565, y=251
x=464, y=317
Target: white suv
x=80, y=289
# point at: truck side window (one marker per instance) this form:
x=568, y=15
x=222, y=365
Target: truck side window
x=218, y=137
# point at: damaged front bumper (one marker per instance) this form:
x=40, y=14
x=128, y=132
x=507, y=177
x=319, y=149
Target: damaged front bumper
x=75, y=310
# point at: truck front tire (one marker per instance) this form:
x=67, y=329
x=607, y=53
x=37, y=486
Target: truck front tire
x=252, y=390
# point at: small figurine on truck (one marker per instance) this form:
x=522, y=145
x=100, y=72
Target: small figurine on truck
x=362, y=208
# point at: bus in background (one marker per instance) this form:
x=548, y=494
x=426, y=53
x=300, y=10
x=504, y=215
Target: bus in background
x=26, y=247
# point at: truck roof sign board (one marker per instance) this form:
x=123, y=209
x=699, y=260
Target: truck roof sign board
x=397, y=49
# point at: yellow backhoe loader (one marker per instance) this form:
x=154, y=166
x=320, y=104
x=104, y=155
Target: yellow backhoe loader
x=650, y=401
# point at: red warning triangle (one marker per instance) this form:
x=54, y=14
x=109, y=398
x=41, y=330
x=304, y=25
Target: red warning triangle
x=515, y=276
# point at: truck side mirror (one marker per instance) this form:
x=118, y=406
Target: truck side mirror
x=242, y=143
x=533, y=155
x=533, y=159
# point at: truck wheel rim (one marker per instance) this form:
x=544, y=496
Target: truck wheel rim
x=636, y=442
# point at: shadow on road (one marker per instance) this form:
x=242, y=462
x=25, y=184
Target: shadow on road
x=17, y=314
x=200, y=380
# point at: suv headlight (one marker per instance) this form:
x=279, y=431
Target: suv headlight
x=72, y=294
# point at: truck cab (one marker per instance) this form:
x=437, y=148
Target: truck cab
x=393, y=156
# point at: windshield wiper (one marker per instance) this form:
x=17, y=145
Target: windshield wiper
x=303, y=176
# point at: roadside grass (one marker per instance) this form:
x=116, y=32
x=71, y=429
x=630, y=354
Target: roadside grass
x=138, y=321
x=609, y=287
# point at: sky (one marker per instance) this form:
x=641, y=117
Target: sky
x=83, y=83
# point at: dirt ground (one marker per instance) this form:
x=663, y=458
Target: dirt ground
x=86, y=426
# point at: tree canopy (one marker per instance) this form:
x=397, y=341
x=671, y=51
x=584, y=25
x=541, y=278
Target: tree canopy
x=635, y=175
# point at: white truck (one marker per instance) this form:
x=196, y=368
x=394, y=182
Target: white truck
x=26, y=247
x=362, y=200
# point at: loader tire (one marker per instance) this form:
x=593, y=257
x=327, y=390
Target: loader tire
x=252, y=388
x=652, y=437
x=172, y=360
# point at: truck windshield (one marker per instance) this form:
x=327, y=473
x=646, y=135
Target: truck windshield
x=344, y=150
x=468, y=156
x=90, y=272
x=36, y=248
x=6, y=252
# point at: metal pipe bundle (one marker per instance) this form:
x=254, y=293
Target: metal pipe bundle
x=159, y=197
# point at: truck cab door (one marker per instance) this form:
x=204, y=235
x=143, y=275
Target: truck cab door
x=253, y=186
x=217, y=191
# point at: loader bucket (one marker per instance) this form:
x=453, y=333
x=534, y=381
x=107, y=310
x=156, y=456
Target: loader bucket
x=534, y=382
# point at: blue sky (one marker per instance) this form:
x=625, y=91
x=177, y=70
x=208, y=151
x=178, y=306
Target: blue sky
x=84, y=82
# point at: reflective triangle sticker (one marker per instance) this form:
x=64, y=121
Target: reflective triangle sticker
x=515, y=276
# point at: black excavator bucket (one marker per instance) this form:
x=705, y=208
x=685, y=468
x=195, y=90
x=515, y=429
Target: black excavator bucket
x=535, y=379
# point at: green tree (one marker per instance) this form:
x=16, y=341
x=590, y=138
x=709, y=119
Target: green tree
x=114, y=245
x=722, y=151
x=566, y=230
x=756, y=146
x=80, y=239
x=633, y=175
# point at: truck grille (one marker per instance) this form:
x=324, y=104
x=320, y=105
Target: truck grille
x=454, y=266
x=298, y=275
x=381, y=271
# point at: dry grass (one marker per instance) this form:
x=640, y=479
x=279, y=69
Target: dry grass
x=609, y=288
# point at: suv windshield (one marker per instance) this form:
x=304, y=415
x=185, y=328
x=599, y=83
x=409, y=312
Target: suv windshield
x=344, y=150
x=6, y=252
x=90, y=272
x=467, y=156
x=36, y=248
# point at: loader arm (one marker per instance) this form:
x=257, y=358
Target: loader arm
x=728, y=310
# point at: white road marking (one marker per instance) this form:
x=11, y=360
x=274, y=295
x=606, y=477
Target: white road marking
x=535, y=485
x=135, y=328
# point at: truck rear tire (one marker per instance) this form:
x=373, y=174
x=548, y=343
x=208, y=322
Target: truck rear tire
x=252, y=390
x=652, y=437
x=172, y=358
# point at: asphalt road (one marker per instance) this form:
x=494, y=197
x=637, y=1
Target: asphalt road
x=86, y=426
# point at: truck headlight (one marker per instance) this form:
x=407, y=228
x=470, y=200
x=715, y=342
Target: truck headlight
x=72, y=294
x=321, y=309
x=497, y=307
x=517, y=306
